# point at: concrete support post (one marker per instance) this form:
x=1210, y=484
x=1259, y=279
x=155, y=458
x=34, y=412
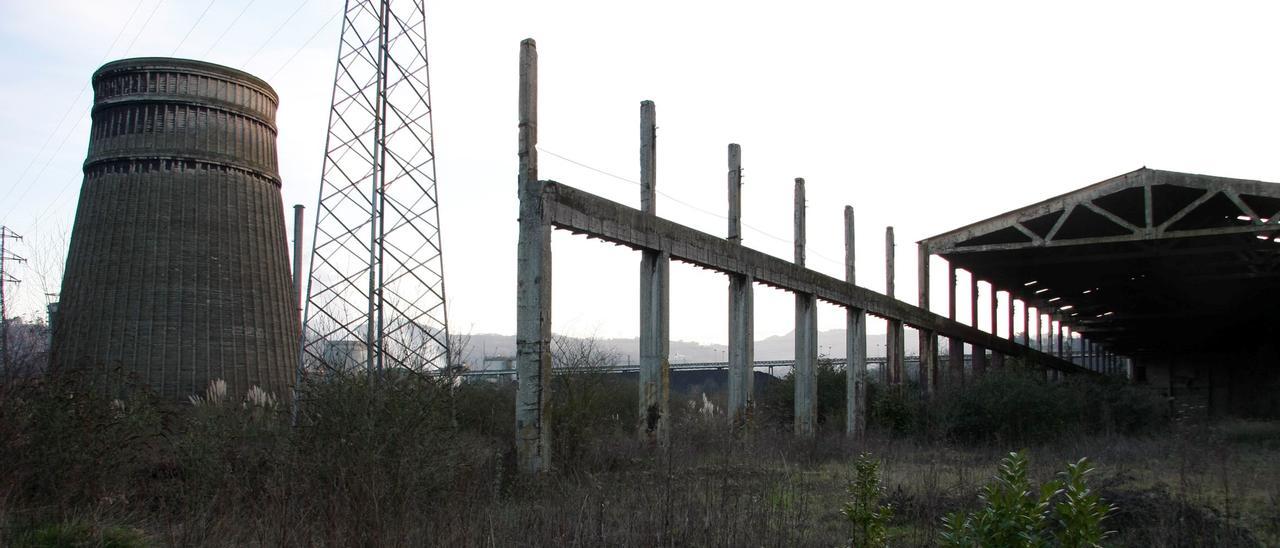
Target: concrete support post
x=806, y=410
x=1026, y=324
x=997, y=359
x=1064, y=341
x=741, y=313
x=1053, y=337
x=1009, y=316
x=955, y=347
x=979, y=353
x=928, y=373
x=855, y=344
x=895, y=345
x=655, y=369
x=1040, y=321
x=533, y=285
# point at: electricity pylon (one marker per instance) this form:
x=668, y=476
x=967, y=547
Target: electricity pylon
x=375, y=297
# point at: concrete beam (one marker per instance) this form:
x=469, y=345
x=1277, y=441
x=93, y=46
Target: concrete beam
x=533, y=284
x=584, y=213
x=741, y=308
x=655, y=297
x=805, y=373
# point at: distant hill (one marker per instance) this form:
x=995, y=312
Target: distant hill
x=779, y=347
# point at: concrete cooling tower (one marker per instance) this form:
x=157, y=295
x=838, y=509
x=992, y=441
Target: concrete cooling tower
x=178, y=270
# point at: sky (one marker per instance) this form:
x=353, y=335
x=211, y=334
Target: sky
x=924, y=116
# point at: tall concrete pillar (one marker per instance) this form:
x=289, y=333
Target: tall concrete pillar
x=855, y=344
x=928, y=339
x=1062, y=347
x=1026, y=324
x=979, y=353
x=955, y=347
x=533, y=285
x=997, y=359
x=741, y=313
x=894, y=343
x=806, y=410
x=1009, y=316
x=1040, y=320
x=655, y=296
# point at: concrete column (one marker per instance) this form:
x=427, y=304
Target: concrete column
x=1040, y=320
x=955, y=347
x=741, y=313
x=928, y=339
x=1052, y=335
x=979, y=353
x=855, y=344
x=806, y=410
x=1062, y=348
x=1013, y=337
x=1026, y=324
x=655, y=369
x=533, y=285
x=895, y=345
x=997, y=359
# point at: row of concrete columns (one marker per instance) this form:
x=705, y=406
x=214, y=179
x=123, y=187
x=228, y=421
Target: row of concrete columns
x=534, y=307
x=1089, y=354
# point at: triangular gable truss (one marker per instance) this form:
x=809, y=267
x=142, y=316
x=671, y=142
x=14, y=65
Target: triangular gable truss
x=1142, y=205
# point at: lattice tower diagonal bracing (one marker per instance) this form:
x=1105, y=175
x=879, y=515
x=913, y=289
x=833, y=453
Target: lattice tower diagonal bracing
x=376, y=296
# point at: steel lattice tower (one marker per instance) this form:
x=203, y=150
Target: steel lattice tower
x=375, y=297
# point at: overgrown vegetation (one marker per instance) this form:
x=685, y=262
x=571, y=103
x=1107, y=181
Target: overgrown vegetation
x=868, y=517
x=419, y=462
x=1016, y=514
x=1010, y=406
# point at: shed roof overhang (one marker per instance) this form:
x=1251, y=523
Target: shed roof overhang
x=1148, y=262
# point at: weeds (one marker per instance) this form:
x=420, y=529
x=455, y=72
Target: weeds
x=1016, y=514
x=383, y=463
x=869, y=519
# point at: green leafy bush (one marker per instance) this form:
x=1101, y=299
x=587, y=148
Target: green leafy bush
x=867, y=517
x=1016, y=514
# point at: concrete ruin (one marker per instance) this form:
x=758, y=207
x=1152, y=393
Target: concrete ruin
x=548, y=204
x=1161, y=276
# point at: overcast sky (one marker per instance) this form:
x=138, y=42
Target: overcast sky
x=922, y=115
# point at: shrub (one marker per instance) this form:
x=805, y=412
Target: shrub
x=868, y=518
x=1016, y=514
x=1016, y=406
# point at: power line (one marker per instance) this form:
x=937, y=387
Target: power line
x=154, y=9
x=69, y=183
x=273, y=34
x=70, y=107
x=305, y=44
x=193, y=28
x=228, y=28
x=27, y=188
x=684, y=203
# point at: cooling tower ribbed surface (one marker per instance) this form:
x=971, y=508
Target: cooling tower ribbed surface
x=178, y=270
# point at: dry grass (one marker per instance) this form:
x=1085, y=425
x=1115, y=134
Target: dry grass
x=390, y=469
